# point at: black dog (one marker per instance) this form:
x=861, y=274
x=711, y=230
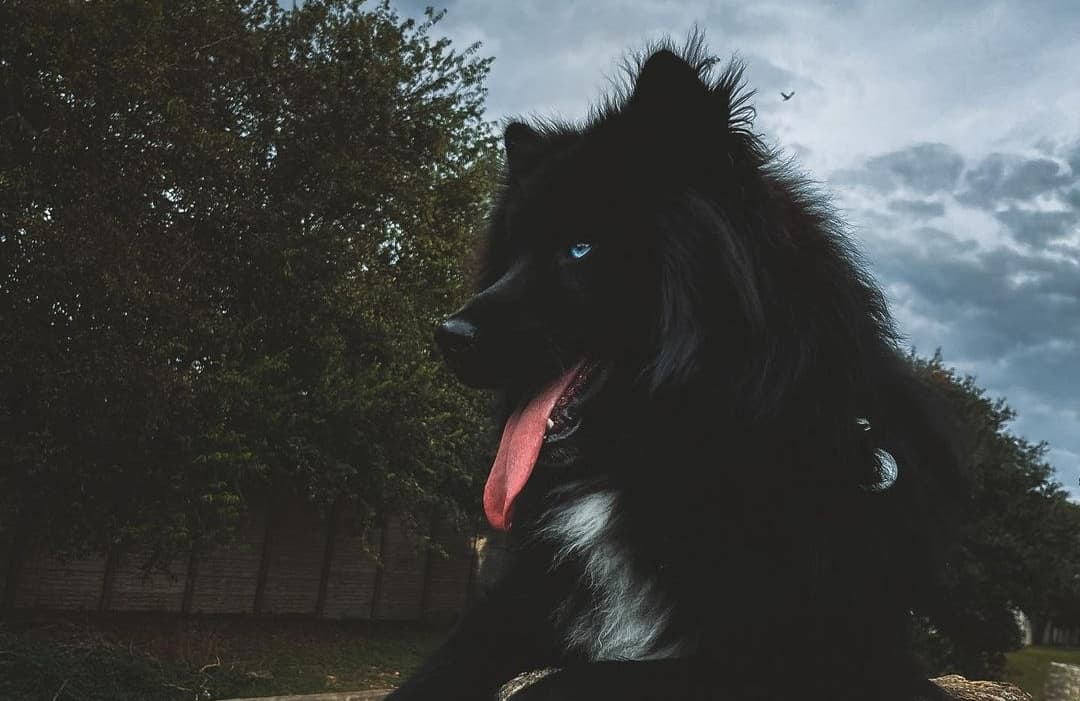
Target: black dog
x=704, y=404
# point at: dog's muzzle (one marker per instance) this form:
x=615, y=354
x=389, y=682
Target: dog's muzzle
x=456, y=337
x=459, y=340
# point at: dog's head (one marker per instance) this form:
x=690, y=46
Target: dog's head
x=613, y=268
x=599, y=246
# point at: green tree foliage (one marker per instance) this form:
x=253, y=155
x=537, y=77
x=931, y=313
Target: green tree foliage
x=1019, y=540
x=226, y=231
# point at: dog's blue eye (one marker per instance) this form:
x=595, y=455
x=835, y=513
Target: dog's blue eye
x=580, y=250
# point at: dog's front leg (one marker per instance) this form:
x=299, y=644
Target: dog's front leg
x=507, y=632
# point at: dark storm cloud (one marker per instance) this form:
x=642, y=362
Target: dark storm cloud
x=1001, y=177
x=1000, y=306
x=926, y=168
x=1033, y=177
x=1073, y=159
x=1038, y=228
x=917, y=209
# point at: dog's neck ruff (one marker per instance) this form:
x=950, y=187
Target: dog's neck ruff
x=618, y=613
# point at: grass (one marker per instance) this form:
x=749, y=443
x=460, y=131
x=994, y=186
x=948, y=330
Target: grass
x=1028, y=668
x=167, y=658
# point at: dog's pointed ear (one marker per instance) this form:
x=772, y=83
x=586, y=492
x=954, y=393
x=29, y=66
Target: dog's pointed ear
x=671, y=108
x=523, y=147
x=667, y=85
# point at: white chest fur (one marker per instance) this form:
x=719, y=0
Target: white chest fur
x=626, y=614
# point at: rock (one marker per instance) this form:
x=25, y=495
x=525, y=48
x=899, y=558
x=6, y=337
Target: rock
x=956, y=687
x=520, y=682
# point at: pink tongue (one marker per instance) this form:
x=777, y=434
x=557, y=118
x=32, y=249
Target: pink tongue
x=518, y=450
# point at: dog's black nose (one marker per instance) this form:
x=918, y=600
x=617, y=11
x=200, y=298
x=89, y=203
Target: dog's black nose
x=455, y=336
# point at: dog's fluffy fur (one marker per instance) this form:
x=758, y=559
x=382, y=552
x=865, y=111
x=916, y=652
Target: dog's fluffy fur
x=716, y=526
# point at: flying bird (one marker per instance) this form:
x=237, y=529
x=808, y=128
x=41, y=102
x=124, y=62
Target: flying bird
x=787, y=95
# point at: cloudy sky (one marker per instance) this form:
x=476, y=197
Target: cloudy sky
x=948, y=134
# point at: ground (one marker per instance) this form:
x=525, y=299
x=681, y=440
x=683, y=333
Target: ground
x=171, y=658
x=1027, y=668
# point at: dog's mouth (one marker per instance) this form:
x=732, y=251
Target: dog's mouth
x=565, y=416
x=545, y=423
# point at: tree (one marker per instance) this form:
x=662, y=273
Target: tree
x=226, y=231
x=1019, y=544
